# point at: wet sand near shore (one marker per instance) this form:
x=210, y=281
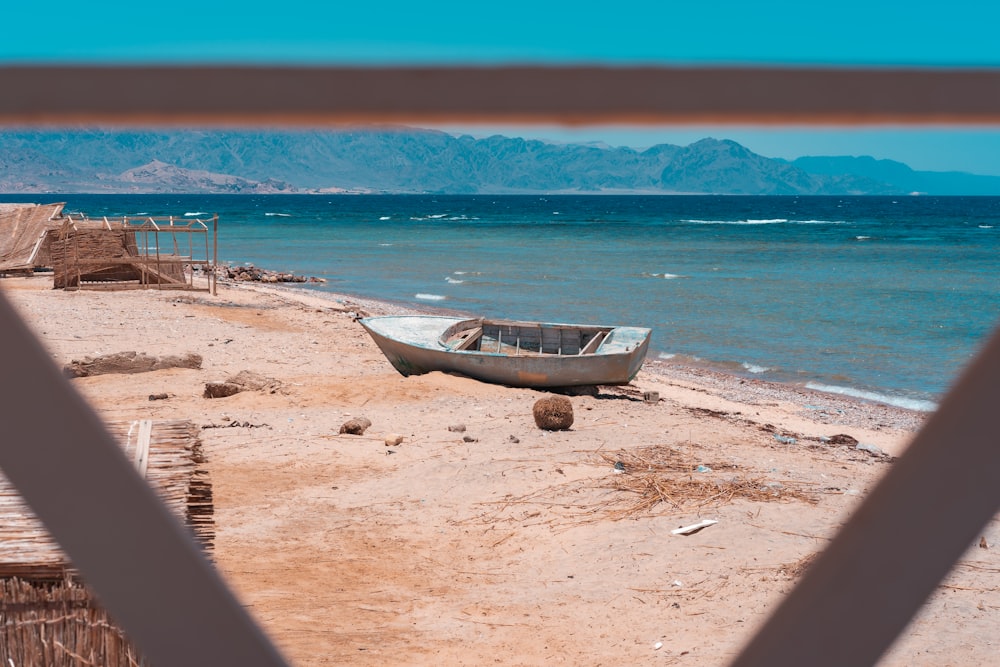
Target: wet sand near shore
x=499, y=543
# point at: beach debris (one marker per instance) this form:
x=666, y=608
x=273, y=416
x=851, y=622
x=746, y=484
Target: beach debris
x=513, y=439
x=702, y=468
x=694, y=528
x=251, y=273
x=393, y=439
x=651, y=397
x=128, y=362
x=619, y=467
x=983, y=544
x=871, y=449
x=235, y=423
x=221, y=389
x=842, y=439
x=657, y=646
x=785, y=439
x=355, y=426
x=159, y=397
x=553, y=413
x=457, y=428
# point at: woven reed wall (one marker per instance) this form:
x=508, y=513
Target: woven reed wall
x=47, y=616
x=59, y=624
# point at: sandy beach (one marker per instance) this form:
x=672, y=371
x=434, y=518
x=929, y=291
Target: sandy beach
x=480, y=539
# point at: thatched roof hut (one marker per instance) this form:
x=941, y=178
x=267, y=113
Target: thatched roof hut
x=25, y=235
x=48, y=616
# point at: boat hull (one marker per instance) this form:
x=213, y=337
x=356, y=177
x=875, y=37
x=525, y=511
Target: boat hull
x=412, y=345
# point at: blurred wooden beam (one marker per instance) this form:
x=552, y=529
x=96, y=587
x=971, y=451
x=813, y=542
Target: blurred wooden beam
x=318, y=96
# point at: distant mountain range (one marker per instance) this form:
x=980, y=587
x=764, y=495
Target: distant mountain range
x=410, y=160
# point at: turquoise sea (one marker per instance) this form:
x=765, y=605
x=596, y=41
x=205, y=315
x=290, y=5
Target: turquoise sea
x=885, y=297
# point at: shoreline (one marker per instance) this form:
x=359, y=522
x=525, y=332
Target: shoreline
x=829, y=407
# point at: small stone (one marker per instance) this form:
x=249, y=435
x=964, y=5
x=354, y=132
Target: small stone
x=393, y=439
x=514, y=439
x=457, y=428
x=158, y=397
x=356, y=426
x=651, y=397
x=553, y=413
x=469, y=438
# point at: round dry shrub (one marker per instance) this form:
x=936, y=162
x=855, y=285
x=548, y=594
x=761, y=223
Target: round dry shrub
x=553, y=413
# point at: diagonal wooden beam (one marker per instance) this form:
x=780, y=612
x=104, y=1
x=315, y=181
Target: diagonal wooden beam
x=885, y=562
x=212, y=95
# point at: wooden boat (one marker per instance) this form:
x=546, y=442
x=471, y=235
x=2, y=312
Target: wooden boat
x=516, y=354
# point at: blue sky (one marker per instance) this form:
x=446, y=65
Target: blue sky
x=783, y=32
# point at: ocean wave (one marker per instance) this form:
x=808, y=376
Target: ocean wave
x=385, y=217
x=754, y=368
x=189, y=214
x=986, y=226
x=765, y=221
x=453, y=281
x=279, y=215
x=666, y=355
x=665, y=276
x=436, y=216
x=771, y=221
x=899, y=401
x=861, y=238
x=429, y=297
x=386, y=245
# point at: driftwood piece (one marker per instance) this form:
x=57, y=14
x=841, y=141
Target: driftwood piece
x=129, y=362
x=250, y=381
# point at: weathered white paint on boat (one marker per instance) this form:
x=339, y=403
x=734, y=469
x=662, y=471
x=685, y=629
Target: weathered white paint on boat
x=558, y=355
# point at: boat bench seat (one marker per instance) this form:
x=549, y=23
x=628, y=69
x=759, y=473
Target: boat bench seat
x=470, y=340
x=594, y=343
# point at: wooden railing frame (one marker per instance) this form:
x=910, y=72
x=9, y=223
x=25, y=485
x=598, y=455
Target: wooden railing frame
x=850, y=605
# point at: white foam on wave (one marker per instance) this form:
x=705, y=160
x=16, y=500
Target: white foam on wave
x=862, y=238
x=453, y=281
x=386, y=217
x=189, y=214
x=429, y=297
x=665, y=276
x=986, y=226
x=771, y=221
x=279, y=215
x=898, y=401
x=754, y=368
x=666, y=355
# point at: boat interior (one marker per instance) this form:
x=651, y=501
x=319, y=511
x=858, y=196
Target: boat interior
x=523, y=338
